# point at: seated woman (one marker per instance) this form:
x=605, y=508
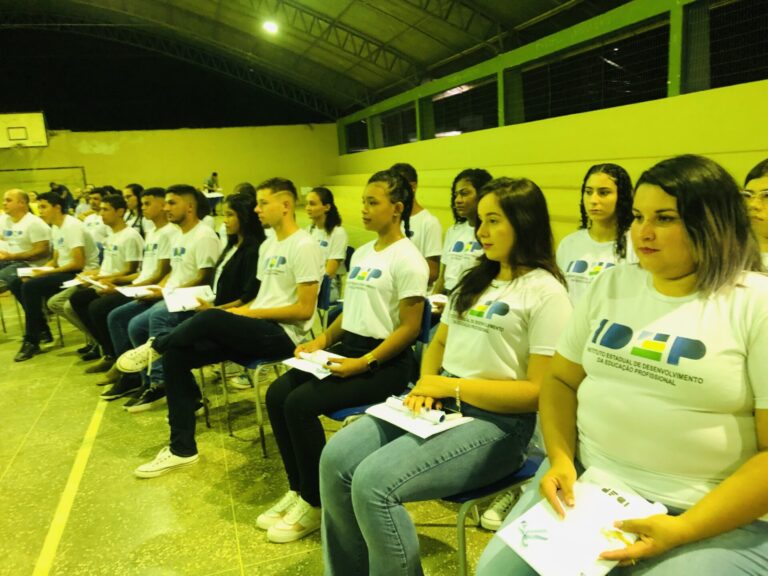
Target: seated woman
x=755, y=194
x=327, y=230
x=489, y=356
x=461, y=250
x=601, y=242
x=687, y=424
x=383, y=308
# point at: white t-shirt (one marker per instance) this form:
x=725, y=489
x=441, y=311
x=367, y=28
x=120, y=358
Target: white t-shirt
x=223, y=238
x=667, y=403
x=125, y=246
x=333, y=246
x=765, y=259
x=427, y=233
x=376, y=284
x=95, y=226
x=461, y=251
x=582, y=259
x=198, y=248
x=509, y=322
x=157, y=246
x=20, y=236
x=70, y=235
x=282, y=265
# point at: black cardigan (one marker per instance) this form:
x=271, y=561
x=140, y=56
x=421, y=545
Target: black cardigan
x=238, y=279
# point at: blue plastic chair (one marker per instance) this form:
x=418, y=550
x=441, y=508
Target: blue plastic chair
x=468, y=501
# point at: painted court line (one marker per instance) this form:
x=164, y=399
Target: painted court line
x=61, y=516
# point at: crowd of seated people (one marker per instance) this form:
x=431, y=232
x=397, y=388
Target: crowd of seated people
x=666, y=273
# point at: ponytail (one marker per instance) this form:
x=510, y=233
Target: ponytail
x=399, y=190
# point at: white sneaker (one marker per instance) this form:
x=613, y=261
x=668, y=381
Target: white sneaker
x=139, y=358
x=277, y=511
x=165, y=461
x=240, y=382
x=498, y=510
x=300, y=520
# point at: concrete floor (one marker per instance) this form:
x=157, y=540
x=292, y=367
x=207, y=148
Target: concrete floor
x=72, y=506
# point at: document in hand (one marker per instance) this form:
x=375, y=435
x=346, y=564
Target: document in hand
x=95, y=283
x=184, y=299
x=137, y=291
x=27, y=271
x=423, y=425
x=315, y=363
x=571, y=546
x=70, y=283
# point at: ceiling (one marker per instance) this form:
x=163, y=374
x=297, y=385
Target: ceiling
x=330, y=56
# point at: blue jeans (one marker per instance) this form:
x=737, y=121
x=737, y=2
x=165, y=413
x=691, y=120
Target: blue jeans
x=740, y=551
x=117, y=322
x=155, y=321
x=370, y=468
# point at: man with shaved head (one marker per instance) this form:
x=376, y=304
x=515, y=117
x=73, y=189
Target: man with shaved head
x=25, y=237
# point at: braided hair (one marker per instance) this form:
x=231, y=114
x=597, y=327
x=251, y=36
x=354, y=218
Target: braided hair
x=623, y=202
x=398, y=190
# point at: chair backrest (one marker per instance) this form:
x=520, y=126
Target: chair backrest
x=324, y=294
x=426, y=323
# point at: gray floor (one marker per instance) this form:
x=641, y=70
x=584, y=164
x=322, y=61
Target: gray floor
x=72, y=506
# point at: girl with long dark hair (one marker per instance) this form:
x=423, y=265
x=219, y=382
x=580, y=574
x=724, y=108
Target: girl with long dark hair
x=330, y=235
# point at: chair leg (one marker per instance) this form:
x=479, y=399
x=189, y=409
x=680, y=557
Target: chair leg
x=2, y=318
x=204, y=398
x=61, y=334
x=226, y=397
x=260, y=411
x=461, y=536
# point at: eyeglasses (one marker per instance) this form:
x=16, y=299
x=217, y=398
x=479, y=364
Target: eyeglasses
x=748, y=195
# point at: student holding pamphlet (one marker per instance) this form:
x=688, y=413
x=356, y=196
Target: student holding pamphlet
x=383, y=308
x=487, y=360
x=661, y=381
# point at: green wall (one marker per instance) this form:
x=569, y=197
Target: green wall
x=729, y=125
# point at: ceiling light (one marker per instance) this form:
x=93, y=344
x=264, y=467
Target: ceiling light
x=270, y=26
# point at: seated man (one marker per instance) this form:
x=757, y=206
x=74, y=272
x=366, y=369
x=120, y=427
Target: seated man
x=194, y=253
x=122, y=254
x=26, y=238
x=290, y=268
x=72, y=248
x=155, y=265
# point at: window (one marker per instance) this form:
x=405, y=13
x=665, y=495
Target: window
x=357, y=136
x=466, y=108
x=399, y=127
x=738, y=36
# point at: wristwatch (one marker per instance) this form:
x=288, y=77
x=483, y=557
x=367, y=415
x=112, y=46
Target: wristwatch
x=373, y=363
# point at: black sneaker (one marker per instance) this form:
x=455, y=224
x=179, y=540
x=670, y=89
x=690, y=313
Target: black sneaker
x=92, y=354
x=135, y=396
x=46, y=337
x=27, y=351
x=123, y=387
x=84, y=349
x=152, y=396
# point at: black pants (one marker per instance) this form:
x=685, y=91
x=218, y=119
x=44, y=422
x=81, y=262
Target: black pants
x=93, y=308
x=208, y=337
x=32, y=294
x=297, y=399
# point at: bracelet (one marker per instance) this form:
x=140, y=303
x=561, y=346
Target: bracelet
x=458, y=397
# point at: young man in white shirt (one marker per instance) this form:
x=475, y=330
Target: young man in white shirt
x=155, y=265
x=290, y=269
x=122, y=253
x=94, y=224
x=194, y=253
x=26, y=239
x=70, y=251
x=426, y=231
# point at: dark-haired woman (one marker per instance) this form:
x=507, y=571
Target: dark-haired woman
x=755, y=194
x=461, y=249
x=601, y=242
x=383, y=307
x=680, y=413
x=488, y=359
x=327, y=230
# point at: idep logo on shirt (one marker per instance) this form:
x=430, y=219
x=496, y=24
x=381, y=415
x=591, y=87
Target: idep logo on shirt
x=489, y=309
x=323, y=243
x=150, y=248
x=647, y=344
x=276, y=262
x=178, y=251
x=460, y=246
x=590, y=268
x=366, y=274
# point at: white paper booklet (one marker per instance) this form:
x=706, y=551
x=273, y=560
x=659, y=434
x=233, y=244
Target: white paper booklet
x=27, y=271
x=423, y=425
x=95, y=283
x=137, y=291
x=70, y=283
x=185, y=299
x=315, y=363
x=572, y=546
